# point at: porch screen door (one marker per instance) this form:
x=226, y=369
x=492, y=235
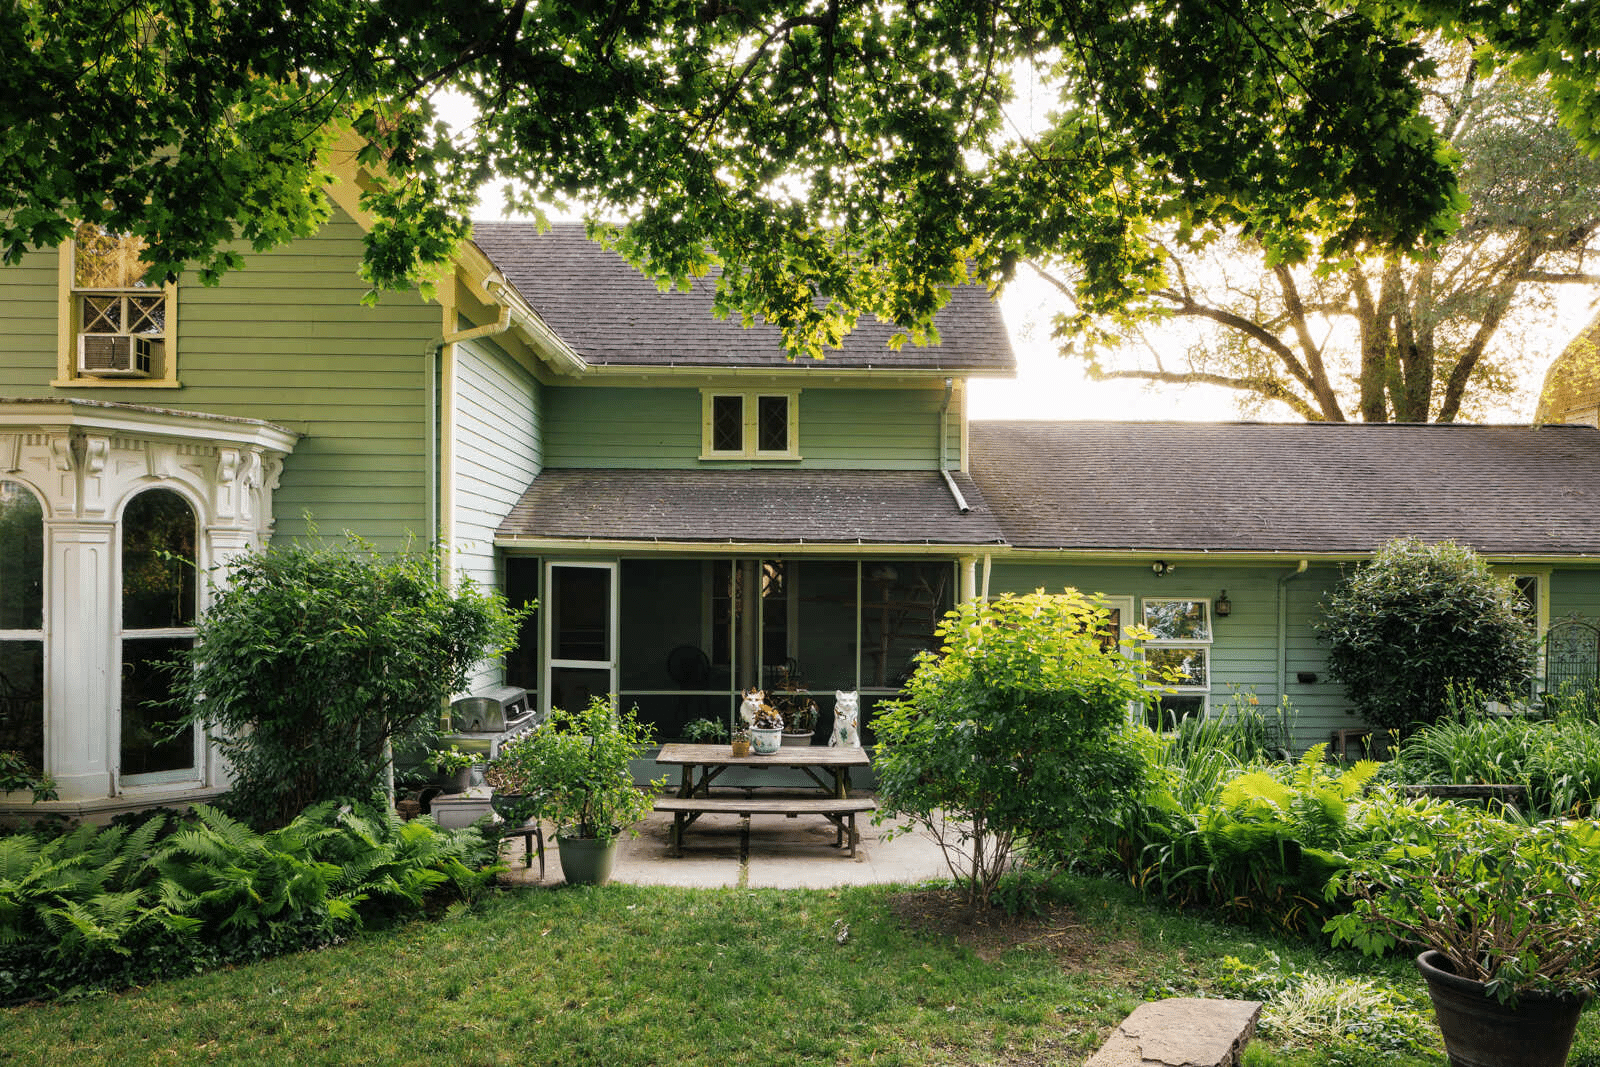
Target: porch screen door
x=580, y=609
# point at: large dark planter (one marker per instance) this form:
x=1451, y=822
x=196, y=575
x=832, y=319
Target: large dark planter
x=588, y=860
x=1479, y=1031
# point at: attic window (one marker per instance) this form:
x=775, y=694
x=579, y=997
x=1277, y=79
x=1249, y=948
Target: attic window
x=116, y=324
x=749, y=425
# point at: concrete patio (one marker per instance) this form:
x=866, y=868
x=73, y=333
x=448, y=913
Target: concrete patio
x=764, y=851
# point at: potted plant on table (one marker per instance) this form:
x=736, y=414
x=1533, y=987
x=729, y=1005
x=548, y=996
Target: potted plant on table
x=572, y=770
x=1508, y=916
x=792, y=701
x=740, y=743
x=456, y=767
x=765, y=723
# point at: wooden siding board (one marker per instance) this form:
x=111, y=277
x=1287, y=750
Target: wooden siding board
x=1244, y=651
x=288, y=340
x=654, y=428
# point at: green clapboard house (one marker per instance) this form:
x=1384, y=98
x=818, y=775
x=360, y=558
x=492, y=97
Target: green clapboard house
x=694, y=512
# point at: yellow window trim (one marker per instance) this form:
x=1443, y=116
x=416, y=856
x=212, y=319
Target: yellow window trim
x=749, y=398
x=67, y=376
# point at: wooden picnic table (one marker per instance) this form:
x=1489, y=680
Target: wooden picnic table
x=828, y=768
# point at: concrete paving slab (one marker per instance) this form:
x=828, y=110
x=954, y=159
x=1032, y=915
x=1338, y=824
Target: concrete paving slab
x=768, y=851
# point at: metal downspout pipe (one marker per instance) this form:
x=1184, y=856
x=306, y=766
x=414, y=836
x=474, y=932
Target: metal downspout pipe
x=944, y=443
x=1283, y=628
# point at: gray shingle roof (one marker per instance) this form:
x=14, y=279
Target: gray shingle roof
x=611, y=314
x=1300, y=488
x=757, y=506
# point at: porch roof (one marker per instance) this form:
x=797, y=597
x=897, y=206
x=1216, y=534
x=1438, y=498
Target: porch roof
x=750, y=506
x=1316, y=488
x=612, y=315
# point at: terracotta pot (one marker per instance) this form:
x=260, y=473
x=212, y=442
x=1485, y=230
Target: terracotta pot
x=1479, y=1031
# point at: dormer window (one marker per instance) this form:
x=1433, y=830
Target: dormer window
x=751, y=424
x=116, y=323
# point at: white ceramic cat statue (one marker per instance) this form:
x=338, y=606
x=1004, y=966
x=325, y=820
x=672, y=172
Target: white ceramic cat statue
x=846, y=720
x=753, y=699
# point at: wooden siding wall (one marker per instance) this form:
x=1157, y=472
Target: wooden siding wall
x=840, y=428
x=1244, y=649
x=287, y=340
x=498, y=452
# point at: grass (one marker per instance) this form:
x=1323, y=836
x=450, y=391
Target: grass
x=648, y=975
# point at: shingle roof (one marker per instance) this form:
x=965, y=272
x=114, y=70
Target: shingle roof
x=1307, y=487
x=611, y=314
x=753, y=506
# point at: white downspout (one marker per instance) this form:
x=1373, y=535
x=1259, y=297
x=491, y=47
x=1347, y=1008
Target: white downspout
x=944, y=440
x=1283, y=628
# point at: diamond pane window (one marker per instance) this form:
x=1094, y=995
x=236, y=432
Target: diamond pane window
x=147, y=314
x=727, y=424
x=772, y=424
x=102, y=314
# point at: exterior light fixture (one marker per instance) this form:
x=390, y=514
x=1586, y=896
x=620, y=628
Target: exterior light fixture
x=1162, y=568
x=1223, y=607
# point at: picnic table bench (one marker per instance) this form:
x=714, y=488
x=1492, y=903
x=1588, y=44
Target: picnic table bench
x=828, y=767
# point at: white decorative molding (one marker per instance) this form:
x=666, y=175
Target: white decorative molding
x=10, y=451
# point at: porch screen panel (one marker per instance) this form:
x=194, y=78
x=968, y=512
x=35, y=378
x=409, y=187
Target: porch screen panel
x=580, y=609
x=824, y=639
x=665, y=667
x=21, y=623
x=902, y=604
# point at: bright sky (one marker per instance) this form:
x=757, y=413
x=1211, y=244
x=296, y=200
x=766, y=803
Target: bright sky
x=1048, y=386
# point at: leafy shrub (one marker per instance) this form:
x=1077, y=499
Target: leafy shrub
x=1557, y=762
x=572, y=769
x=1014, y=731
x=1418, y=618
x=1514, y=906
x=318, y=658
x=16, y=775
x=1256, y=840
x=110, y=906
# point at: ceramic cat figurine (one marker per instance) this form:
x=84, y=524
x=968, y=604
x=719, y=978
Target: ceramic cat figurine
x=753, y=699
x=846, y=720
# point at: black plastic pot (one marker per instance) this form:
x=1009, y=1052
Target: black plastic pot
x=1479, y=1031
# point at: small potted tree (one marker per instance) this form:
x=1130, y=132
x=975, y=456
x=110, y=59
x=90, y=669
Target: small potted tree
x=572, y=771
x=1508, y=917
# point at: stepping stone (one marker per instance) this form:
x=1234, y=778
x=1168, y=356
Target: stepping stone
x=1181, y=1032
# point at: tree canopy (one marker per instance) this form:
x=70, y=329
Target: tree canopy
x=835, y=158
x=1380, y=336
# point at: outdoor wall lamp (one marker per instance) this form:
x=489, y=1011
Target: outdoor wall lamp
x=1162, y=568
x=1223, y=606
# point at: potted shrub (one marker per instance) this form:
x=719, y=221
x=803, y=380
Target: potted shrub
x=798, y=710
x=456, y=767
x=1508, y=917
x=572, y=770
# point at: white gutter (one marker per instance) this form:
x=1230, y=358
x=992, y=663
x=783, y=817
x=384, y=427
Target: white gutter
x=545, y=341
x=1283, y=627
x=944, y=435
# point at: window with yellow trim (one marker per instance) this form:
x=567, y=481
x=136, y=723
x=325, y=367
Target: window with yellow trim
x=117, y=323
x=754, y=424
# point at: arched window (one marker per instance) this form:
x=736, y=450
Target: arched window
x=21, y=623
x=159, y=603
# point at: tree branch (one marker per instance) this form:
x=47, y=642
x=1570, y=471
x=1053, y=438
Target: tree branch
x=1264, y=387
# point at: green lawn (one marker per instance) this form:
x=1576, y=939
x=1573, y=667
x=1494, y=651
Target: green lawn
x=635, y=975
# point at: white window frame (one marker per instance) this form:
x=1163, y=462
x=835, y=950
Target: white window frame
x=1202, y=644
x=163, y=375
x=750, y=404
x=195, y=773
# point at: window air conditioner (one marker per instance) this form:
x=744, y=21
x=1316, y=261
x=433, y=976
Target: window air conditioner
x=116, y=355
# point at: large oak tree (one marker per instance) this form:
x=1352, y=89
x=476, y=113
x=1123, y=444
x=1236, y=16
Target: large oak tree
x=835, y=157
x=1381, y=336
